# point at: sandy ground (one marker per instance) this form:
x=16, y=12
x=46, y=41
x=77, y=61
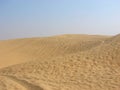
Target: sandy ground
x=65, y=62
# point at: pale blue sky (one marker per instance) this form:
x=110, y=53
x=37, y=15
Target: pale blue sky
x=35, y=18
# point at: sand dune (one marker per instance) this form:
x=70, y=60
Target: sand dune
x=65, y=62
x=22, y=50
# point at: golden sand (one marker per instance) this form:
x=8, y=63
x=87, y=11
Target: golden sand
x=65, y=62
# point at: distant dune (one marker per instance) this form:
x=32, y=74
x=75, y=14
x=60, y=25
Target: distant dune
x=64, y=62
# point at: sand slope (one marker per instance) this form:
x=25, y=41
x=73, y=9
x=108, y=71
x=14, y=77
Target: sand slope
x=22, y=50
x=66, y=62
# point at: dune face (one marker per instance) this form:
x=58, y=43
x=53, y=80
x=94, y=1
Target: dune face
x=22, y=50
x=66, y=62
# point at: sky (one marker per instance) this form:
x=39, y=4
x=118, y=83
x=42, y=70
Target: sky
x=36, y=18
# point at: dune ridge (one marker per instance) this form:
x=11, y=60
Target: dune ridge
x=66, y=62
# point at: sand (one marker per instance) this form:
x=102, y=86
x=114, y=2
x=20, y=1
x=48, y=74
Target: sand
x=64, y=62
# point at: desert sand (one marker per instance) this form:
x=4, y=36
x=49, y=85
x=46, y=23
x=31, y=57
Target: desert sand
x=63, y=62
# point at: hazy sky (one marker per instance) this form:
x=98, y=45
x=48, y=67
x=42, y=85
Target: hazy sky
x=34, y=18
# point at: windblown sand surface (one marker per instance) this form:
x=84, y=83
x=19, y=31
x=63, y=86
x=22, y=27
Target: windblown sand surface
x=65, y=62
